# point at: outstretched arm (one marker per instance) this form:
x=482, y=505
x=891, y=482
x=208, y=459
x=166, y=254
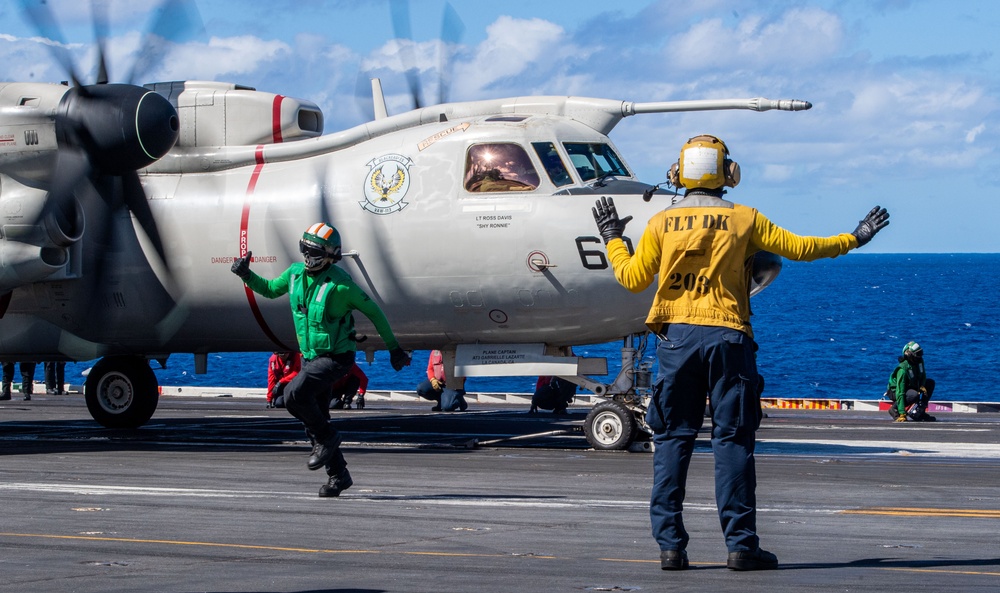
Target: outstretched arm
x=266, y=288
x=362, y=302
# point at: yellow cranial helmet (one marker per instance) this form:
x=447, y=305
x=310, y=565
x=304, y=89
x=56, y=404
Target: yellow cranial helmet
x=704, y=163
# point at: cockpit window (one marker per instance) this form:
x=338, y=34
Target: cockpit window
x=553, y=163
x=499, y=168
x=594, y=160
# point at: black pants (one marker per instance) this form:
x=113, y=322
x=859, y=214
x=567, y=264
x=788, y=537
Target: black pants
x=344, y=393
x=307, y=397
x=55, y=374
x=427, y=391
x=27, y=376
x=912, y=396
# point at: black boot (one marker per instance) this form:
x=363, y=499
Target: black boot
x=5, y=392
x=323, y=452
x=337, y=484
x=756, y=560
x=673, y=560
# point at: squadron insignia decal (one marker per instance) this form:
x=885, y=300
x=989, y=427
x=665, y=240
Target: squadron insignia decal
x=386, y=184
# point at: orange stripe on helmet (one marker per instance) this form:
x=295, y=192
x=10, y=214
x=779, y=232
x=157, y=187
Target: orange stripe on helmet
x=321, y=230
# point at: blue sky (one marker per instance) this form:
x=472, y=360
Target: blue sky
x=905, y=92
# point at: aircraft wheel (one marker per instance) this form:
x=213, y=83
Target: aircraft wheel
x=610, y=426
x=121, y=392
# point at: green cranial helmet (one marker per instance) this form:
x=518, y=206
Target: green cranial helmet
x=320, y=245
x=913, y=349
x=324, y=235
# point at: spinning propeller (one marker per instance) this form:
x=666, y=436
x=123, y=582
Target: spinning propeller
x=452, y=29
x=107, y=132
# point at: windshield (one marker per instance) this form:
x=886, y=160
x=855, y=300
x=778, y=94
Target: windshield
x=499, y=167
x=595, y=160
x=553, y=163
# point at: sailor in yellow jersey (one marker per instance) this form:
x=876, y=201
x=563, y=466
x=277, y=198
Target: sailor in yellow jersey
x=701, y=249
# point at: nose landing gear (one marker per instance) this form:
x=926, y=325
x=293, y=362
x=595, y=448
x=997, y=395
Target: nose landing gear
x=610, y=426
x=615, y=423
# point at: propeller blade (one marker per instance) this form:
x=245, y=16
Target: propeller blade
x=400, y=11
x=99, y=14
x=325, y=199
x=173, y=21
x=452, y=29
x=134, y=198
x=102, y=203
x=38, y=12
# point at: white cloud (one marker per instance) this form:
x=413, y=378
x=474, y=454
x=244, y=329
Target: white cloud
x=776, y=173
x=221, y=57
x=512, y=46
x=971, y=135
x=798, y=37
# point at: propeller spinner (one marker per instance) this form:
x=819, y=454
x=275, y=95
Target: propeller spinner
x=121, y=127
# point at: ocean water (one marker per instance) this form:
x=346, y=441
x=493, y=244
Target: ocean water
x=829, y=328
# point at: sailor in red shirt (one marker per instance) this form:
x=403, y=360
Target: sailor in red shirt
x=355, y=381
x=281, y=368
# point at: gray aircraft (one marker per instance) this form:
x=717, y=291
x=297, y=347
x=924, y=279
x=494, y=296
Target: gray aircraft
x=123, y=206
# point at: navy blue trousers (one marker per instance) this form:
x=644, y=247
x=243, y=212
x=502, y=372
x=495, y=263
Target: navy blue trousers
x=717, y=365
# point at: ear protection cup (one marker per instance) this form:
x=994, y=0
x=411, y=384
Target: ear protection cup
x=732, y=169
x=672, y=177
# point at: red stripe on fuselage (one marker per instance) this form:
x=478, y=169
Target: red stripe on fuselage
x=276, y=119
x=244, y=247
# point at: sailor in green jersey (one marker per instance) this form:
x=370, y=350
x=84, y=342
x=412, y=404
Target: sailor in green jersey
x=909, y=388
x=322, y=297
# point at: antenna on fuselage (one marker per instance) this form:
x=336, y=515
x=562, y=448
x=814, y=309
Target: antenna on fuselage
x=378, y=99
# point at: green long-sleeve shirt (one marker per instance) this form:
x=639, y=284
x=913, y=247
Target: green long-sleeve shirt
x=905, y=376
x=322, y=306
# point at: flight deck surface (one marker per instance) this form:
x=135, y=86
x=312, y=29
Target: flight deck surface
x=214, y=495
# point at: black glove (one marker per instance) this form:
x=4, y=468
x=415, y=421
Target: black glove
x=876, y=220
x=398, y=358
x=607, y=220
x=241, y=266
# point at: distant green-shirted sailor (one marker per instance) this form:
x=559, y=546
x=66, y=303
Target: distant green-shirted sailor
x=322, y=297
x=909, y=388
x=700, y=248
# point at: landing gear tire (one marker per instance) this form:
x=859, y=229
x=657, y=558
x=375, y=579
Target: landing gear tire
x=610, y=426
x=121, y=392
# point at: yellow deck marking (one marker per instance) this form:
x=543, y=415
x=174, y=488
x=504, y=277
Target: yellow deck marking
x=944, y=571
x=917, y=512
x=130, y=540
